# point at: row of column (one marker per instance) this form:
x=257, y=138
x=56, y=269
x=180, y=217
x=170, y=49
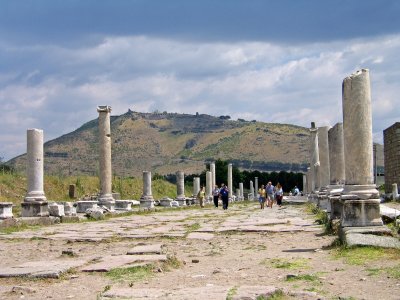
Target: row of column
x=341, y=161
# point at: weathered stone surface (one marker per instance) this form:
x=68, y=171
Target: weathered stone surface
x=56, y=210
x=41, y=269
x=95, y=213
x=34, y=209
x=200, y=236
x=6, y=210
x=124, y=205
x=389, y=212
x=323, y=150
x=111, y=262
x=146, y=249
x=354, y=238
x=83, y=206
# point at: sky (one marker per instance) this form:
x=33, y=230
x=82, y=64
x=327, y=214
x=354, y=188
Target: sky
x=275, y=61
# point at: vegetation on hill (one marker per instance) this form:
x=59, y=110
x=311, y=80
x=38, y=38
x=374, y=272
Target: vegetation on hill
x=166, y=142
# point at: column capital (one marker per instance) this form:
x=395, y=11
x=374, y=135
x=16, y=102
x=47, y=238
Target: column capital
x=104, y=108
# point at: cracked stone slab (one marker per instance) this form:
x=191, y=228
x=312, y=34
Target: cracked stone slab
x=146, y=249
x=111, y=262
x=193, y=293
x=200, y=236
x=41, y=269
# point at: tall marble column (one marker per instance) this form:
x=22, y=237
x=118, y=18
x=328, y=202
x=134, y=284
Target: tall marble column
x=35, y=202
x=105, y=197
x=208, y=185
x=230, y=181
x=213, y=176
x=304, y=184
x=147, y=200
x=256, y=188
x=360, y=197
x=314, y=158
x=252, y=195
x=180, y=188
x=323, y=151
x=309, y=181
x=241, y=191
x=337, y=174
x=196, y=186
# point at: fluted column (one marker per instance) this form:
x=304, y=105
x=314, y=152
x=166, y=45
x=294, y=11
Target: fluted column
x=360, y=197
x=213, y=176
x=180, y=188
x=196, y=186
x=105, y=197
x=208, y=185
x=230, y=181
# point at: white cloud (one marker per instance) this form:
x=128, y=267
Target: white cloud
x=252, y=80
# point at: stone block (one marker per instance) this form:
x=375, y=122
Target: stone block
x=95, y=213
x=72, y=191
x=378, y=236
x=82, y=206
x=69, y=209
x=125, y=205
x=116, y=196
x=6, y=210
x=166, y=202
x=358, y=213
x=56, y=210
x=35, y=209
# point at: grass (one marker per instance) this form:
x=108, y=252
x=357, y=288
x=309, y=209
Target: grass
x=231, y=293
x=305, y=277
x=321, y=217
x=136, y=273
x=192, y=227
x=362, y=255
x=19, y=227
x=393, y=272
x=277, y=295
x=281, y=263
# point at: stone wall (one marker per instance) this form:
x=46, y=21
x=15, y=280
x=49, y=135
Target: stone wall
x=391, y=138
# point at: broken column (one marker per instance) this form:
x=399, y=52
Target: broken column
x=180, y=188
x=196, y=186
x=395, y=191
x=360, y=198
x=147, y=200
x=337, y=174
x=256, y=188
x=251, y=195
x=105, y=198
x=230, y=181
x=35, y=202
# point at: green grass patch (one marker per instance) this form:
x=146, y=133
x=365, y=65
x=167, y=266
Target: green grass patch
x=231, y=293
x=137, y=273
x=281, y=263
x=304, y=277
x=277, y=295
x=393, y=272
x=17, y=228
x=321, y=217
x=361, y=255
x=192, y=227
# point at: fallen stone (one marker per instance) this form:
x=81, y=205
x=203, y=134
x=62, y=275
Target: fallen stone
x=95, y=213
x=40, y=269
x=22, y=290
x=359, y=239
x=111, y=262
x=56, y=210
x=146, y=249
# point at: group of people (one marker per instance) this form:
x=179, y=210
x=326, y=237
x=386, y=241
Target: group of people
x=269, y=193
x=218, y=193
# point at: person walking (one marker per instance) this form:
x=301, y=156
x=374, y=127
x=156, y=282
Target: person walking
x=261, y=199
x=216, y=195
x=279, y=194
x=224, y=193
x=201, y=195
x=270, y=194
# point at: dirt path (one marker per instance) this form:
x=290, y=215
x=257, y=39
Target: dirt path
x=216, y=254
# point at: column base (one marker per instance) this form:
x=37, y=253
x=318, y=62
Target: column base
x=82, y=206
x=360, y=213
x=6, y=210
x=166, y=202
x=146, y=202
x=108, y=204
x=181, y=201
x=124, y=205
x=35, y=196
x=34, y=209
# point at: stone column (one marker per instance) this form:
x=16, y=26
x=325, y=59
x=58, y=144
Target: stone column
x=395, y=191
x=196, y=186
x=35, y=202
x=323, y=151
x=252, y=196
x=230, y=182
x=360, y=197
x=309, y=186
x=208, y=185
x=213, y=175
x=304, y=184
x=105, y=197
x=314, y=157
x=256, y=188
x=337, y=174
x=147, y=200
x=180, y=188
x=241, y=191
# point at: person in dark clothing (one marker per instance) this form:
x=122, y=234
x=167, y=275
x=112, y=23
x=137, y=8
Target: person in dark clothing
x=224, y=193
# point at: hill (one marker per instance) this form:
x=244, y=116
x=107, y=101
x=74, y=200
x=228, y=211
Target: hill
x=167, y=142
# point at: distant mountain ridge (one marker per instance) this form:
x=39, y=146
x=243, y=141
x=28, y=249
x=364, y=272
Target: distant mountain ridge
x=166, y=142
